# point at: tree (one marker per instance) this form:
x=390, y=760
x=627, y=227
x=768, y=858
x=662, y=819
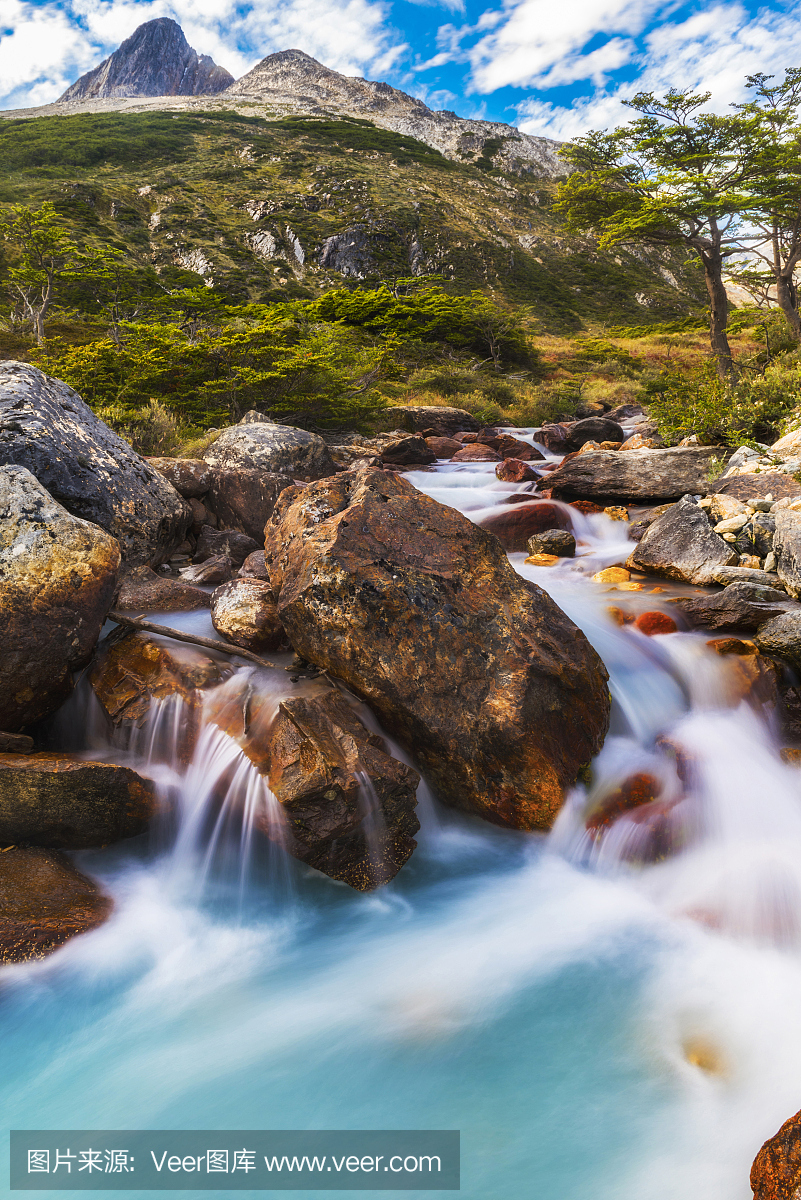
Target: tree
x=674, y=177
x=45, y=255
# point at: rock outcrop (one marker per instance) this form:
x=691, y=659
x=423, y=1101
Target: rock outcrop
x=681, y=544
x=156, y=60
x=646, y=476
x=258, y=444
x=66, y=803
x=480, y=675
x=46, y=427
x=244, y=498
x=782, y=636
x=44, y=901
x=57, y=580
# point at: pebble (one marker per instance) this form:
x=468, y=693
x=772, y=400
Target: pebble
x=543, y=560
x=612, y=575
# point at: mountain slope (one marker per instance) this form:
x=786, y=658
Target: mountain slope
x=156, y=60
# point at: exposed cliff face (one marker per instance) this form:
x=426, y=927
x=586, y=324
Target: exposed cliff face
x=156, y=60
x=293, y=80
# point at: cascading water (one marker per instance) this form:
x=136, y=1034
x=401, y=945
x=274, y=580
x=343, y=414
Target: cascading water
x=609, y=1011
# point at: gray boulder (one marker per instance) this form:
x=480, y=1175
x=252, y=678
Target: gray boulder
x=46, y=427
x=787, y=548
x=431, y=419
x=553, y=541
x=726, y=575
x=594, y=429
x=782, y=636
x=258, y=444
x=682, y=545
x=739, y=606
x=641, y=476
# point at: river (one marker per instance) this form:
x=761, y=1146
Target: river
x=598, y=1025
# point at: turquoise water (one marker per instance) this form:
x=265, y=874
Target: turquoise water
x=584, y=1023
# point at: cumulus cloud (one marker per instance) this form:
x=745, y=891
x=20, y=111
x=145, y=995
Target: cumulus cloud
x=50, y=44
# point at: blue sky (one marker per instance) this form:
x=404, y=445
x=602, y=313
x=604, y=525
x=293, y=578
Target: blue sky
x=553, y=67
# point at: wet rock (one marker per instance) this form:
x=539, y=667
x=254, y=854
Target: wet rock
x=419, y=612
x=787, y=548
x=244, y=498
x=616, y=513
x=746, y=487
x=514, y=470
x=632, y=793
x=648, y=475
x=514, y=528
x=553, y=438
x=63, y=802
x=132, y=671
x=781, y=636
x=587, y=507
x=750, y=676
x=143, y=590
x=408, y=452
x=15, y=743
x=443, y=447
x=612, y=575
x=254, y=567
x=553, y=541
x=439, y=421
x=543, y=560
x=191, y=477
x=625, y=412
x=44, y=901
x=655, y=622
x=258, y=444
x=230, y=543
x=777, y=1167
x=594, y=429
x=216, y=569
x=739, y=606
x=726, y=575
x=348, y=806
x=58, y=575
x=681, y=545
x=46, y=427
x=245, y=613
x=638, y=442
x=476, y=453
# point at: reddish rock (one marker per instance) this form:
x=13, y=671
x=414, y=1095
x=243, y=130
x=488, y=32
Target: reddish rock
x=44, y=901
x=143, y=590
x=635, y=791
x=243, y=498
x=650, y=623
x=515, y=527
x=443, y=447
x=513, y=470
x=586, y=506
x=191, y=477
x=552, y=437
x=465, y=439
x=495, y=691
x=200, y=516
x=245, y=613
x=476, y=453
x=776, y=1173
x=407, y=452
x=253, y=567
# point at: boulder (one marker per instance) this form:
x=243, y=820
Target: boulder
x=781, y=636
x=244, y=498
x=787, y=548
x=682, y=545
x=726, y=575
x=58, y=575
x=15, y=743
x=214, y=570
x=514, y=528
x=476, y=453
x=788, y=446
x=258, y=444
x=625, y=412
x=776, y=1172
x=408, y=452
x=443, y=447
x=763, y=483
x=739, y=606
x=60, y=801
x=44, y=901
x=433, y=419
x=348, y=806
x=655, y=622
x=191, y=477
x=245, y=613
x=144, y=591
x=496, y=692
x=254, y=566
x=553, y=541
x=594, y=429
x=514, y=470
x=231, y=543
x=46, y=427
x=640, y=476
x=553, y=438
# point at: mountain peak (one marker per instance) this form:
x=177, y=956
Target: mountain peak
x=156, y=60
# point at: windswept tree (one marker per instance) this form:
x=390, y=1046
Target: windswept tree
x=44, y=254
x=675, y=177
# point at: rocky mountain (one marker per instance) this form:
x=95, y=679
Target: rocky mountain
x=292, y=80
x=156, y=60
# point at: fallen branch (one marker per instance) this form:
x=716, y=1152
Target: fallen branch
x=193, y=639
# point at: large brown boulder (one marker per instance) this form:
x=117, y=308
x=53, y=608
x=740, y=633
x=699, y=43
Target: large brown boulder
x=480, y=675
x=776, y=1173
x=594, y=429
x=245, y=613
x=514, y=528
x=641, y=476
x=57, y=580
x=46, y=427
x=44, y=901
x=244, y=498
x=60, y=801
x=348, y=806
x=191, y=477
x=787, y=548
x=681, y=544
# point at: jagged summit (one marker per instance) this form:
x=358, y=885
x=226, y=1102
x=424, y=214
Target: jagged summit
x=156, y=60
x=292, y=79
